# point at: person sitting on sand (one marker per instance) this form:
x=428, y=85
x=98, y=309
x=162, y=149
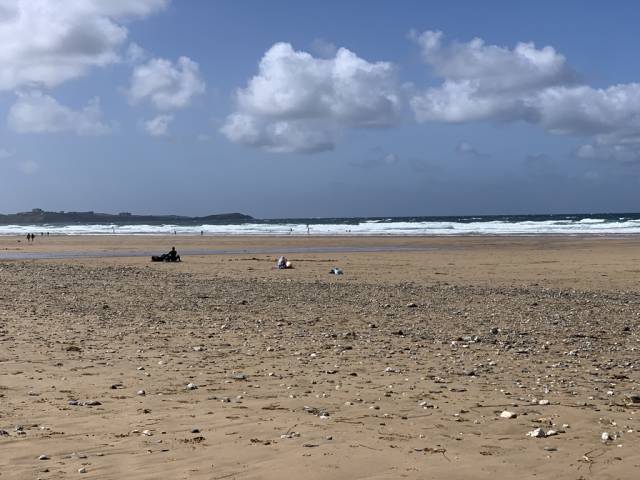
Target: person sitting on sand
x=283, y=263
x=173, y=255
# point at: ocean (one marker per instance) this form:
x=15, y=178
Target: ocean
x=582, y=224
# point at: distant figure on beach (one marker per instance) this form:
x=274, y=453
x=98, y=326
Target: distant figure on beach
x=201, y=232
x=28, y=237
x=308, y=232
x=172, y=256
x=282, y=263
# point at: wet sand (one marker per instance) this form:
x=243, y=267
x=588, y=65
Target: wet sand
x=400, y=368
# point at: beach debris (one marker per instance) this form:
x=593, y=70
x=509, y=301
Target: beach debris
x=147, y=433
x=336, y=271
x=198, y=348
x=507, y=414
x=632, y=399
x=469, y=339
x=191, y=386
x=238, y=376
x=4, y=433
x=290, y=435
x=142, y=393
x=195, y=430
x=537, y=433
x=323, y=414
x=544, y=402
x=605, y=437
x=82, y=470
x=412, y=305
x=44, y=456
x=73, y=348
x=92, y=403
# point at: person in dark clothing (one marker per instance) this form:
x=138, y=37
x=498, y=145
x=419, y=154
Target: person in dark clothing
x=173, y=255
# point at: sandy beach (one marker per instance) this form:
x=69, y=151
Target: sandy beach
x=458, y=358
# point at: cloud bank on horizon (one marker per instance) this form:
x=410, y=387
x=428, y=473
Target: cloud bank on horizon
x=298, y=102
x=491, y=83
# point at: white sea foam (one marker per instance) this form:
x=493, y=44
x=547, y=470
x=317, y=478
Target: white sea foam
x=583, y=226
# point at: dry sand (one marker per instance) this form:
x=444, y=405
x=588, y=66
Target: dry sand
x=400, y=368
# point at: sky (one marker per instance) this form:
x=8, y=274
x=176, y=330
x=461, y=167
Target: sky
x=319, y=109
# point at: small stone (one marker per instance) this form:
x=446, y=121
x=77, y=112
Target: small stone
x=44, y=457
x=239, y=376
x=605, y=437
x=411, y=305
x=4, y=433
x=142, y=393
x=147, y=433
x=191, y=386
x=195, y=430
x=198, y=348
x=507, y=414
x=550, y=449
x=544, y=402
x=92, y=403
x=82, y=470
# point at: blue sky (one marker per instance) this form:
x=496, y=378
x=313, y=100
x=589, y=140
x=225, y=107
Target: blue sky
x=280, y=109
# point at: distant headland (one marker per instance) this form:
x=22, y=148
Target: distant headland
x=38, y=216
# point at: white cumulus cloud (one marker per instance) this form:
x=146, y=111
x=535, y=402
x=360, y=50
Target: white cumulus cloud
x=525, y=83
x=36, y=112
x=44, y=43
x=158, y=126
x=166, y=85
x=301, y=103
